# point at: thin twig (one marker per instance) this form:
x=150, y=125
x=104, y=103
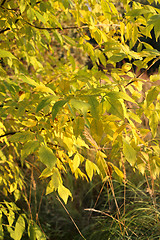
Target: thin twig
x=124, y=180
x=40, y=203
x=55, y=28
x=70, y=217
x=98, y=197
x=141, y=74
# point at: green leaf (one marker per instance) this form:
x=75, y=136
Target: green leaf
x=94, y=107
x=97, y=127
x=40, y=17
x=58, y=37
x=152, y=95
x=31, y=231
x=29, y=147
x=22, y=137
x=4, y=53
x=64, y=193
x=137, y=12
x=115, y=107
x=23, y=5
x=117, y=57
x=57, y=106
x=30, y=14
x=55, y=181
x=153, y=123
x=19, y=228
x=78, y=126
x=1, y=228
x=38, y=233
x=155, y=21
x=45, y=102
x=69, y=40
x=47, y=156
x=28, y=80
x=80, y=105
x=120, y=95
x=46, y=173
x=129, y=152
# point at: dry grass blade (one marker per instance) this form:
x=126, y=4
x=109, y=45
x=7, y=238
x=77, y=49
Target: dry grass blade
x=104, y=213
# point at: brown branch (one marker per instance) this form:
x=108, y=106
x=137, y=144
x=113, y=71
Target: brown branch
x=3, y=2
x=141, y=74
x=70, y=216
x=6, y=134
x=4, y=30
x=55, y=28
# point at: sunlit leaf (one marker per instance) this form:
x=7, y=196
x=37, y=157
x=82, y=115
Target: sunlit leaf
x=129, y=152
x=19, y=228
x=45, y=102
x=22, y=136
x=153, y=123
x=64, y=193
x=57, y=106
x=28, y=148
x=47, y=156
x=4, y=53
x=152, y=95
x=76, y=161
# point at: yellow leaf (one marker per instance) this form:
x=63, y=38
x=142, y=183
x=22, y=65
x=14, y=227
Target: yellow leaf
x=29, y=123
x=64, y=193
x=76, y=161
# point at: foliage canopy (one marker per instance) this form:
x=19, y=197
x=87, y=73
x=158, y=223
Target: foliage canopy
x=58, y=116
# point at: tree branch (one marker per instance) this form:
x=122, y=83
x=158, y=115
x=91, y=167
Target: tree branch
x=55, y=28
x=6, y=134
x=141, y=74
x=4, y=30
x=3, y=2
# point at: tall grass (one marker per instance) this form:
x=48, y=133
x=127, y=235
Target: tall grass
x=94, y=210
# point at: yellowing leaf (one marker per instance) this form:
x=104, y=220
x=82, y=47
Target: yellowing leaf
x=78, y=126
x=29, y=123
x=152, y=95
x=47, y=156
x=57, y=106
x=91, y=168
x=28, y=80
x=56, y=179
x=126, y=67
x=46, y=173
x=23, y=5
x=44, y=89
x=64, y=193
x=129, y=152
x=97, y=127
x=153, y=123
x=22, y=136
x=4, y=53
x=19, y=228
x=117, y=170
x=29, y=148
x=76, y=161
x=80, y=105
x=81, y=143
